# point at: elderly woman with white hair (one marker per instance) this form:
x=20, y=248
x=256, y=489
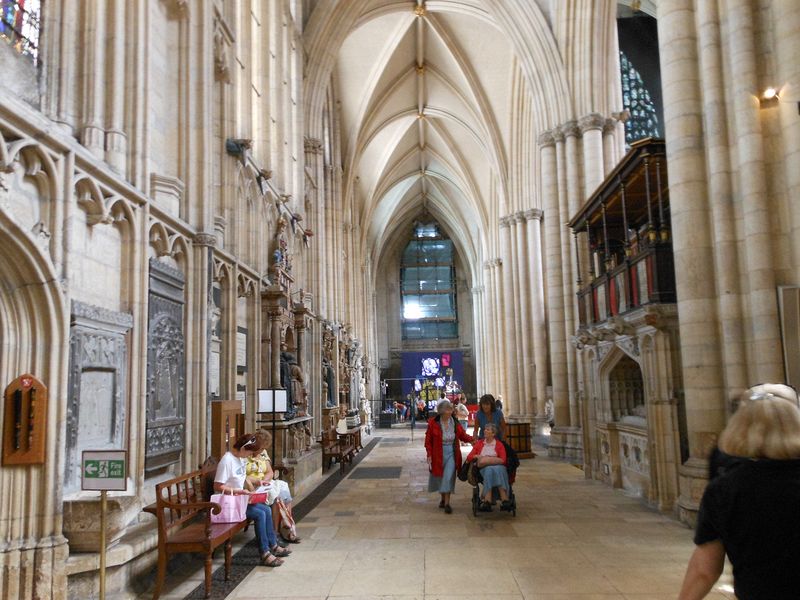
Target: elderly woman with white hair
x=490, y=454
x=749, y=510
x=444, y=452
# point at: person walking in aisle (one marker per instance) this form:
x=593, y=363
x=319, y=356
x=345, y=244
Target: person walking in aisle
x=444, y=452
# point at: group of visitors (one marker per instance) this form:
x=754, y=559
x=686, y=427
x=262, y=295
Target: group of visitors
x=247, y=467
x=444, y=451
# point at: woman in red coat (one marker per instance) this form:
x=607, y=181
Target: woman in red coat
x=444, y=452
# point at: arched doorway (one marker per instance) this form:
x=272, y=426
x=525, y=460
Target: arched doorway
x=33, y=340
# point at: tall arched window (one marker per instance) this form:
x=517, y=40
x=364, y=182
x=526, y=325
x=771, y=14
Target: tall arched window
x=428, y=285
x=643, y=121
x=19, y=25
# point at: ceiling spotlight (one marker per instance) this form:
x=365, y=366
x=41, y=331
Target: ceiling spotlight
x=770, y=92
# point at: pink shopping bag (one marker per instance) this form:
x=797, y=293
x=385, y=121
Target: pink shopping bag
x=233, y=508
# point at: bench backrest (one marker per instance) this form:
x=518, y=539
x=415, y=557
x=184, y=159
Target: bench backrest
x=185, y=489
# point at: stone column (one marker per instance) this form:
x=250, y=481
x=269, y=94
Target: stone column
x=786, y=23
x=478, y=337
x=726, y=247
x=555, y=296
x=511, y=390
x=591, y=127
x=488, y=322
x=274, y=314
x=764, y=334
x=501, y=341
x=609, y=146
x=94, y=88
x=116, y=140
x=693, y=244
x=569, y=204
x=538, y=318
x=526, y=407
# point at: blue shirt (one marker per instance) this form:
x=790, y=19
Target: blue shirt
x=497, y=418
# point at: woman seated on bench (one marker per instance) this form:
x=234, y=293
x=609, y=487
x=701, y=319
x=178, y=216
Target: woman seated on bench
x=491, y=460
x=259, y=472
x=230, y=478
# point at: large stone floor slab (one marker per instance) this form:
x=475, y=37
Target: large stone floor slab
x=572, y=539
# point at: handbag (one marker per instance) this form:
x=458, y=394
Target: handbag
x=463, y=472
x=474, y=474
x=287, y=527
x=233, y=508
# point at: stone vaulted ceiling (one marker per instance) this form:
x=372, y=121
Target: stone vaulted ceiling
x=425, y=102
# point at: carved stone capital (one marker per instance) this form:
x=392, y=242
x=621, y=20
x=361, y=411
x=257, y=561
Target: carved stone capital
x=609, y=126
x=202, y=238
x=545, y=139
x=571, y=129
x=534, y=213
x=558, y=135
x=591, y=121
x=505, y=221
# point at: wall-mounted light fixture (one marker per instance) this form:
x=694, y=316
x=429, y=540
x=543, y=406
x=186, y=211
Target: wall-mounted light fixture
x=769, y=97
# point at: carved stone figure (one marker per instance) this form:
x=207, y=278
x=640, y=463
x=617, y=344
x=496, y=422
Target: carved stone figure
x=307, y=430
x=286, y=382
x=299, y=393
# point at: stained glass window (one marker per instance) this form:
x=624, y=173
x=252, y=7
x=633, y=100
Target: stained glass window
x=428, y=285
x=643, y=121
x=19, y=25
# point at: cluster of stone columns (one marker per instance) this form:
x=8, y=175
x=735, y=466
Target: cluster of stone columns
x=731, y=250
x=574, y=160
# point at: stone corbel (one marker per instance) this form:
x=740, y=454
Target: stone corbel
x=177, y=9
x=545, y=139
x=204, y=239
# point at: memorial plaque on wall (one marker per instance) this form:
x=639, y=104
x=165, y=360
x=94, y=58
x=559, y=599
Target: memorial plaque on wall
x=166, y=374
x=98, y=362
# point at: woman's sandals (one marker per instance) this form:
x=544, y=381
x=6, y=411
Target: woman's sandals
x=270, y=560
x=279, y=551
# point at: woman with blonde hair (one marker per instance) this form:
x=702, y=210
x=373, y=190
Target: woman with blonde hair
x=260, y=473
x=750, y=510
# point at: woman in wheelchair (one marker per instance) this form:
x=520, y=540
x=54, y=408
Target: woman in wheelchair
x=490, y=455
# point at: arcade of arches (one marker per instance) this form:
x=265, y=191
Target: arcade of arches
x=589, y=206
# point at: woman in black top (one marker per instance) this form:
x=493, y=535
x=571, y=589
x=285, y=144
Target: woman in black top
x=749, y=510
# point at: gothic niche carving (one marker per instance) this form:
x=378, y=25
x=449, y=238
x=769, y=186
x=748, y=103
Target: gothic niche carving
x=96, y=407
x=166, y=378
x=328, y=375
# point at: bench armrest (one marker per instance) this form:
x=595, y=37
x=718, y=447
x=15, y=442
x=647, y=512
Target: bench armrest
x=197, y=506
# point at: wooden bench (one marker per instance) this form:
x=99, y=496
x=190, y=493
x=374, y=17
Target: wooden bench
x=184, y=523
x=334, y=446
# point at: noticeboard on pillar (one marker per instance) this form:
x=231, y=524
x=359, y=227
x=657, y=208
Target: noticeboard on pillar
x=104, y=470
x=24, y=421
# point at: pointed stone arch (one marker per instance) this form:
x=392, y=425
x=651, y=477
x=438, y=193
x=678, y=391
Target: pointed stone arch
x=33, y=339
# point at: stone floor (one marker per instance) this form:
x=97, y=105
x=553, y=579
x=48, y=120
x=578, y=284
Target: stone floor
x=382, y=536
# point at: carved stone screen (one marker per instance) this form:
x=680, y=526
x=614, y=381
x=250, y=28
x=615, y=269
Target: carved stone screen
x=97, y=406
x=166, y=377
